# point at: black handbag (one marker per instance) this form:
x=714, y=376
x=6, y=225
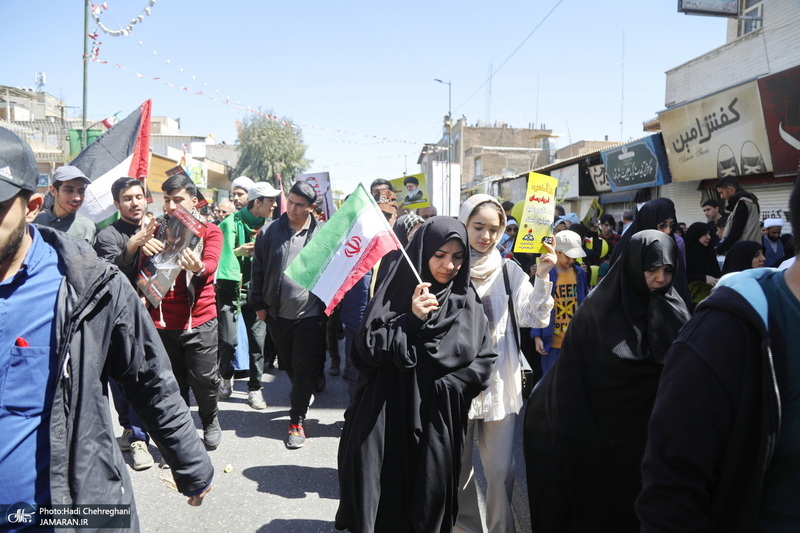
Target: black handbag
x=526, y=372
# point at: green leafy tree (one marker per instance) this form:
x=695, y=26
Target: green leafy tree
x=270, y=147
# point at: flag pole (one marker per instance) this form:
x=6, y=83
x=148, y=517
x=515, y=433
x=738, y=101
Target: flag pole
x=386, y=223
x=414, y=270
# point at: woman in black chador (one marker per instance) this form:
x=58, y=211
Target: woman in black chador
x=422, y=354
x=586, y=421
x=659, y=214
x=702, y=267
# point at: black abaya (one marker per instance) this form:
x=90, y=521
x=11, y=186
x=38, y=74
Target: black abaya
x=400, y=451
x=701, y=261
x=586, y=421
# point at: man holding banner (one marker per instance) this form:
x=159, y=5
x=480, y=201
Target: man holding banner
x=293, y=314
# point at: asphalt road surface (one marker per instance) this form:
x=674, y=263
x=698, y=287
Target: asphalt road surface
x=269, y=489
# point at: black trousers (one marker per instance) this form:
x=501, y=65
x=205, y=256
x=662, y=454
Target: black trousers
x=193, y=355
x=301, y=353
x=332, y=326
x=259, y=343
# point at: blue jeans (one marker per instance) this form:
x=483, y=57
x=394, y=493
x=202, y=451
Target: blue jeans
x=550, y=359
x=125, y=415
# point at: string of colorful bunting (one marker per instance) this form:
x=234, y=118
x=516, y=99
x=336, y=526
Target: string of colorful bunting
x=318, y=130
x=123, y=31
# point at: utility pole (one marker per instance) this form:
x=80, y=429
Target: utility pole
x=84, y=133
x=449, y=124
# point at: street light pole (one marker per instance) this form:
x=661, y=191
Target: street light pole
x=449, y=123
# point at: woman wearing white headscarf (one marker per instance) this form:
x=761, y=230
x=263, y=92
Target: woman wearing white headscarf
x=493, y=412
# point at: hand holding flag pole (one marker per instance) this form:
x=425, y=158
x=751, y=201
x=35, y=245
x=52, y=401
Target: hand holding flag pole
x=344, y=249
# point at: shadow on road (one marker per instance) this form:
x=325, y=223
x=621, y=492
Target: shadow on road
x=294, y=526
x=295, y=481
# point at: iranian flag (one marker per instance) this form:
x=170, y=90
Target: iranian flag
x=347, y=246
x=124, y=150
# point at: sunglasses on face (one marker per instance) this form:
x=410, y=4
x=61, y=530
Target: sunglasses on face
x=512, y=229
x=665, y=225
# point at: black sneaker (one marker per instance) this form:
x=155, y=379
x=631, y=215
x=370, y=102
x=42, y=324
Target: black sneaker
x=212, y=434
x=319, y=384
x=296, y=437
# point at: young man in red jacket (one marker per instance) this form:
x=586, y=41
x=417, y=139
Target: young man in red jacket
x=187, y=317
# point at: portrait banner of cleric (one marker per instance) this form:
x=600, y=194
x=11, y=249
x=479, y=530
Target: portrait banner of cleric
x=411, y=191
x=82, y=324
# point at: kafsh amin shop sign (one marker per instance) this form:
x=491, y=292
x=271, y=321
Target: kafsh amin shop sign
x=720, y=135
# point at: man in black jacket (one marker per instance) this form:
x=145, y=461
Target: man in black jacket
x=294, y=316
x=744, y=222
x=71, y=321
x=120, y=244
x=723, y=450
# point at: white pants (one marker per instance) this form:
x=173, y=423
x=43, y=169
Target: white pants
x=496, y=447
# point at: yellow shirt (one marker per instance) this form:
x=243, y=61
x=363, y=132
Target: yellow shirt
x=566, y=303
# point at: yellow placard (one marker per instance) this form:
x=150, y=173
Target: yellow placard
x=594, y=212
x=537, y=213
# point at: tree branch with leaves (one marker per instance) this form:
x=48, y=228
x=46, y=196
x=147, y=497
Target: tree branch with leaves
x=270, y=147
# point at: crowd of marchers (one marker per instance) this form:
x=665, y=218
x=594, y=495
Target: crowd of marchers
x=664, y=357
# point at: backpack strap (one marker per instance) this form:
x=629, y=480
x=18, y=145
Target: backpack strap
x=513, y=317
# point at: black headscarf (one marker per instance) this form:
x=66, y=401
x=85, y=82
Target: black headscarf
x=400, y=450
x=653, y=213
x=623, y=299
x=393, y=296
x=586, y=421
x=740, y=256
x=701, y=261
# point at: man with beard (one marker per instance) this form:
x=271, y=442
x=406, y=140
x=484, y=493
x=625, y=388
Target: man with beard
x=120, y=244
x=240, y=187
x=70, y=321
x=773, y=245
x=69, y=190
x=744, y=222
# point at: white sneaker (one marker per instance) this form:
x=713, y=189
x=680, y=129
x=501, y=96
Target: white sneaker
x=142, y=460
x=226, y=388
x=256, y=400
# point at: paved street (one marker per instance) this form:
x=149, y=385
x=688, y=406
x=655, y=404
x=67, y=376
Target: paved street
x=269, y=489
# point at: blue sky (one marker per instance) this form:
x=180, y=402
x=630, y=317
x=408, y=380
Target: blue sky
x=358, y=76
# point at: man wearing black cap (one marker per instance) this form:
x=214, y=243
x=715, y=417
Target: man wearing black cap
x=69, y=322
x=69, y=190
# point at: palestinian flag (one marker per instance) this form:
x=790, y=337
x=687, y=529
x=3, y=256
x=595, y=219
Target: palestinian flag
x=124, y=150
x=344, y=249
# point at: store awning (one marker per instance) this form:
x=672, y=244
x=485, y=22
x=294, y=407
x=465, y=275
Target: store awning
x=618, y=197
